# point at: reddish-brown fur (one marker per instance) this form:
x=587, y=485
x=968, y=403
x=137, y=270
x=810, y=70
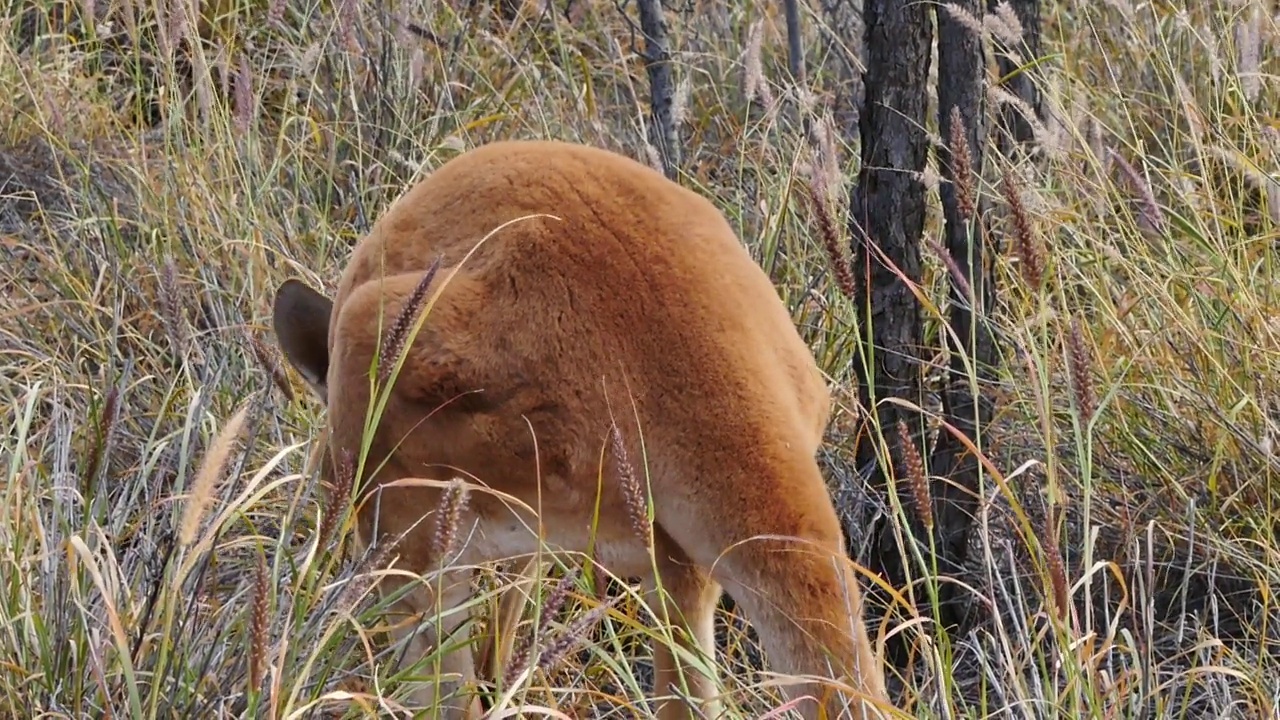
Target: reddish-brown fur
x=635, y=304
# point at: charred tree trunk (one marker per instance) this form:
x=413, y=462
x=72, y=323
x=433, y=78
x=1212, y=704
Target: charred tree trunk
x=886, y=222
x=1015, y=129
x=795, y=52
x=841, y=41
x=657, y=62
x=966, y=404
x=887, y=209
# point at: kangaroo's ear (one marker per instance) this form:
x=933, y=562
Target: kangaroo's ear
x=301, y=320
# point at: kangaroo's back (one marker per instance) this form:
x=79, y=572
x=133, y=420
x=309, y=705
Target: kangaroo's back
x=637, y=286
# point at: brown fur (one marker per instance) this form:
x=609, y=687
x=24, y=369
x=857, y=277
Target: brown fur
x=635, y=304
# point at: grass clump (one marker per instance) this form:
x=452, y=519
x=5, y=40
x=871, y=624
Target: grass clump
x=164, y=547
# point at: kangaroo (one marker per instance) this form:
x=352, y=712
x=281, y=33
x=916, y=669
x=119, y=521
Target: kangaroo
x=582, y=296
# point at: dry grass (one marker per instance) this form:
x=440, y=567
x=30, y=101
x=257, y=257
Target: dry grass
x=155, y=190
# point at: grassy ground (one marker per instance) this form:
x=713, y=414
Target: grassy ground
x=163, y=548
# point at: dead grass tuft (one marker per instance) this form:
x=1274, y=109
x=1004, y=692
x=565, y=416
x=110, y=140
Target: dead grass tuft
x=161, y=174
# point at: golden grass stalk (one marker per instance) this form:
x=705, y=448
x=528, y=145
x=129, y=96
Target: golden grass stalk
x=206, y=482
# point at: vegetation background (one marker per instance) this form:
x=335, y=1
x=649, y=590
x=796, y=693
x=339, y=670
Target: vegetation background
x=164, y=551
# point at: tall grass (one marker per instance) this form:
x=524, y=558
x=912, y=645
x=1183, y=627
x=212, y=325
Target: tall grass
x=164, y=546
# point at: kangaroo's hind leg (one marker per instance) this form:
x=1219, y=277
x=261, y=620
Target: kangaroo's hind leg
x=684, y=596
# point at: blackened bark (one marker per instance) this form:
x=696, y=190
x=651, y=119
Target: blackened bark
x=1015, y=129
x=841, y=40
x=887, y=209
x=795, y=52
x=966, y=408
x=657, y=62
